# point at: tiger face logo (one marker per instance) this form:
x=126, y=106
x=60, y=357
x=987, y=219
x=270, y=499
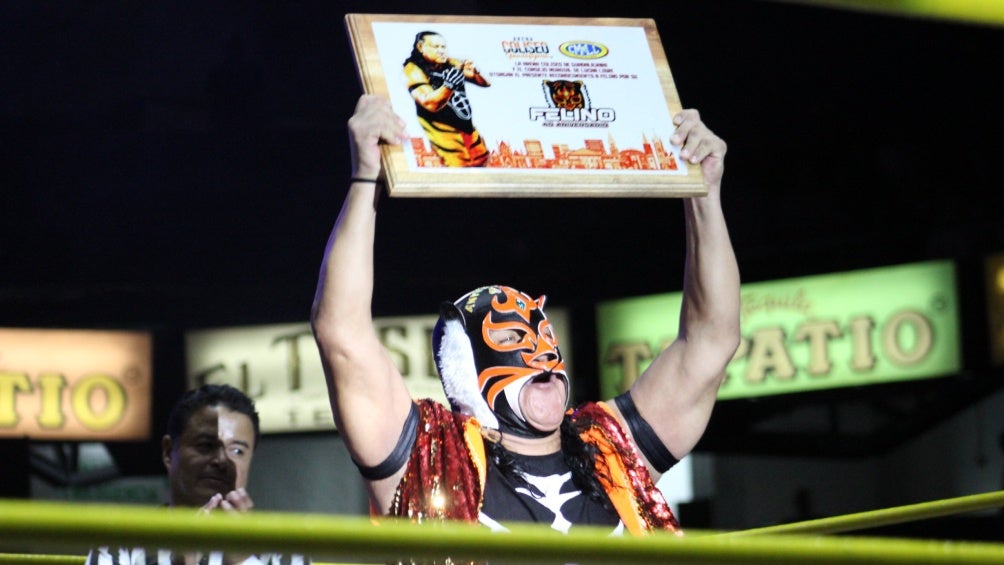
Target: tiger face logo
x=566, y=94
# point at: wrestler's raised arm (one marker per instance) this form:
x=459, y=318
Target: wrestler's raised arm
x=368, y=397
x=677, y=392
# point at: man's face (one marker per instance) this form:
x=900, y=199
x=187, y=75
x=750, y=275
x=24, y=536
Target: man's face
x=213, y=455
x=433, y=48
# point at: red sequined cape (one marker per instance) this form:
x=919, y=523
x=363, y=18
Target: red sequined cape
x=447, y=466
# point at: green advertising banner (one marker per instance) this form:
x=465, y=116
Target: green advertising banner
x=838, y=330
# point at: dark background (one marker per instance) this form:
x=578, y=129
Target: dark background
x=169, y=166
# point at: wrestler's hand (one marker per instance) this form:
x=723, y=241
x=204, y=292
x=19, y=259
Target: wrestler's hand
x=700, y=145
x=373, y=122
x=454, y=76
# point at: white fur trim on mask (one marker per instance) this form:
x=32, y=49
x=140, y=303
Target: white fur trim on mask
x=460, y=376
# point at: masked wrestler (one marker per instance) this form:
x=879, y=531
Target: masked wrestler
x=507, y=449
x=438, y=85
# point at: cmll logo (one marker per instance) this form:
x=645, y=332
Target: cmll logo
x=584, y=49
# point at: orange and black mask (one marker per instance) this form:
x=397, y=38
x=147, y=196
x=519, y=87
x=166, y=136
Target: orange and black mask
x=487, y=346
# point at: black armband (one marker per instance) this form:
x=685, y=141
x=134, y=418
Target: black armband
x=644, y=436
x=399, y=456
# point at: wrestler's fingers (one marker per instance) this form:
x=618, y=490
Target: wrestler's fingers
x=375, y=120
x=368, y=106
x=695, y=139
x=704, y=146
x=685, y=120
x=682, y=137
x=388, y=125
x=699, y=145
x=393, y=132
x=694, y=148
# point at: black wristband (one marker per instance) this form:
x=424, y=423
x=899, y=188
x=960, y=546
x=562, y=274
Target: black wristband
x=644, y=436
x=360, y=179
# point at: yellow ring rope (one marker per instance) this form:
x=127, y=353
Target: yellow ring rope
x=988, y=12
x=51, y=527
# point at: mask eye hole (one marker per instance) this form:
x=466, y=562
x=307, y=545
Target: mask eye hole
x=547, y=333
x=507, y=338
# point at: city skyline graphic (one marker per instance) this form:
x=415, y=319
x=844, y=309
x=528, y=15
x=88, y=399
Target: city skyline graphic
x=594, y=154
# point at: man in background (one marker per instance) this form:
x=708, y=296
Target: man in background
x=211, y=436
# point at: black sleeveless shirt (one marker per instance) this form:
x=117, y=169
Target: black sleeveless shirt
x=553, y=499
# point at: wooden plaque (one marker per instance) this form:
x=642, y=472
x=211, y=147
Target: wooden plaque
x=525, y=107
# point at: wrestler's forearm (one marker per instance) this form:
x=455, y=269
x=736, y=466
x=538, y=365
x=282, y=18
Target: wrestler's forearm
x=710, y=309
x=433, y=100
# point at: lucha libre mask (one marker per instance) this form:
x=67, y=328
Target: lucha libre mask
x=487, y=346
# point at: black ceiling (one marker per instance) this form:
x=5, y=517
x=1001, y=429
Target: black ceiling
x=174, y=165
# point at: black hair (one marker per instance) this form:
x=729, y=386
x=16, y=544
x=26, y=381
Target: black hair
x=581, y=460
x=416, y=55
x=579, y=456
x=210, y=395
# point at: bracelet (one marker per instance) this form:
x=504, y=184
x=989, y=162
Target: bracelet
x=360, y=179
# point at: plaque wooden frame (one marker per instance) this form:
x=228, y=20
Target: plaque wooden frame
x=625, y=99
